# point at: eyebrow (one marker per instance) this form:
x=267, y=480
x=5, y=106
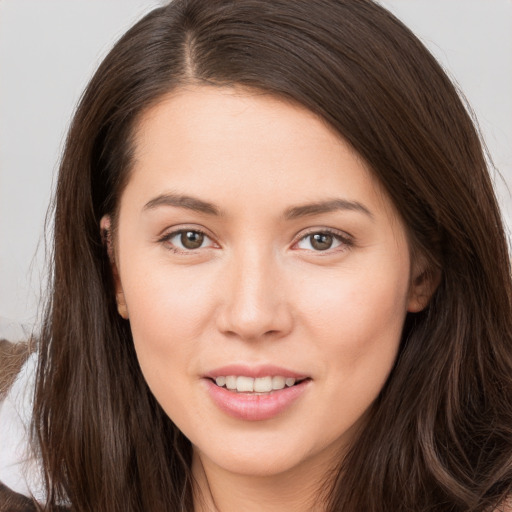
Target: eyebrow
x=183, y=201
x=328, y=206
x=294, y=212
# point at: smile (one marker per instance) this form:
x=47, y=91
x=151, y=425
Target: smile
x=255, y=393
x=244, y=384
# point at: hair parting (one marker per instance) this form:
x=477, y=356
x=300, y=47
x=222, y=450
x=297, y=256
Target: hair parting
x=439, y=436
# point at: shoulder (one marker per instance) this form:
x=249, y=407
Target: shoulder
x=12, y=358
x=20, y=470
x=11, y=501
x=506, y=506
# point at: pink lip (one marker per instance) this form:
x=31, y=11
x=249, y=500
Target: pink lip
x=254, y=407
x=253, y=371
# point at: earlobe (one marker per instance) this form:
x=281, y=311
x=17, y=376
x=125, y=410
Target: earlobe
x=106, y=236
x=122, y=309
x=423, y=286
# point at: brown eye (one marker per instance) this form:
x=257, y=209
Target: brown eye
x=183, y=241
x=191, y=239
x=321, y=241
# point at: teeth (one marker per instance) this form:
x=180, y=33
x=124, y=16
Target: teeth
x=263, y=384
x=244, y=384
x=231, y=382
x=278, y=382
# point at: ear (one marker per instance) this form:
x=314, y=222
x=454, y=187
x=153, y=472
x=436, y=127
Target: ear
x=424, y=282
x=106, y=236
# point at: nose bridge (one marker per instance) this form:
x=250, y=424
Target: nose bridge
x=255, y=301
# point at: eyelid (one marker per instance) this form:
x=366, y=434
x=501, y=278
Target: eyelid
x=170, y=233
x=345, y=238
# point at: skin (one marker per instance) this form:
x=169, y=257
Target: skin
x=256, y=290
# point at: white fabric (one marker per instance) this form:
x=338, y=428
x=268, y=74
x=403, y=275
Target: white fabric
x=19, y=467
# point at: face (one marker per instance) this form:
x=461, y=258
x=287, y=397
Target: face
x=255, y=251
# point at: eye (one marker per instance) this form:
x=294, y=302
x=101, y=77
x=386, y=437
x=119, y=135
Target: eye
x=322, y=241
x=187, y=240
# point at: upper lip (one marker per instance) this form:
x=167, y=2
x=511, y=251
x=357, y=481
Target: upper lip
x=254, y=371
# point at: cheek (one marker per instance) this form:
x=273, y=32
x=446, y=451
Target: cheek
x=357, y=333
x=168, y=314
x=356, y=322
x=357, y=300
x=164, y=302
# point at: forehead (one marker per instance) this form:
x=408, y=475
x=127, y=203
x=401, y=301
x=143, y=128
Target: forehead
x=229, y=143
x=207, y=113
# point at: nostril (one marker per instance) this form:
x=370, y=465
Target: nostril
x=252, y=322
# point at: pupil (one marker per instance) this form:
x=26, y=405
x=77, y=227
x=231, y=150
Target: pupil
x=321, y=241
x=192, y=239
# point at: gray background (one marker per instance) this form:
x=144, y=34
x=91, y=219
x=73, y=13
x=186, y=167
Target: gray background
x=50, y=48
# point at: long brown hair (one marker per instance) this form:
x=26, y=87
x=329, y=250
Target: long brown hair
x=439, y=436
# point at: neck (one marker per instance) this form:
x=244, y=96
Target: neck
x=297, y=490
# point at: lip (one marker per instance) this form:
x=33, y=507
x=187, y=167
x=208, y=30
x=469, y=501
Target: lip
x=255, y=407
x=266, y=370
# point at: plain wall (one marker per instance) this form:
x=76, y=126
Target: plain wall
x=50, y=48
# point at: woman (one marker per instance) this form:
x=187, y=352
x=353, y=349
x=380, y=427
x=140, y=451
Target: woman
x=280, y=276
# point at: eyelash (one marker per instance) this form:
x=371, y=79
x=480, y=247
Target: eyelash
x=345, y=240
x=166, y=239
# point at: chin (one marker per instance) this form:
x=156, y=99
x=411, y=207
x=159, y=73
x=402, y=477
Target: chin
x=268, y=457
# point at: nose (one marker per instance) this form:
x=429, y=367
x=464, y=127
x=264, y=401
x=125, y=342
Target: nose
x=255, y=304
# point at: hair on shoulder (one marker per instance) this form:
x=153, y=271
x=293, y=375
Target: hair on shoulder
x=439, y=436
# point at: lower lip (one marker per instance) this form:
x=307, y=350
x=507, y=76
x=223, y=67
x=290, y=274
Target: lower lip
x=253, y=407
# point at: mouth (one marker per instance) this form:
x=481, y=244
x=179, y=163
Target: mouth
x=256, y=393
x=256, y=385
